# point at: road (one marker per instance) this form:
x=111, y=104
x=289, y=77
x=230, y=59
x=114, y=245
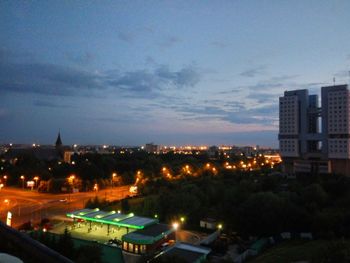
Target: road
x=30, y=205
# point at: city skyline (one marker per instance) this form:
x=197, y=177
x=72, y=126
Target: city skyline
x=164, y=72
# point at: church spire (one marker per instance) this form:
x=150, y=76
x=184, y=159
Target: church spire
x=59, y=141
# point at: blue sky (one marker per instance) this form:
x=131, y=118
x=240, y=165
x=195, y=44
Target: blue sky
x=168, y=72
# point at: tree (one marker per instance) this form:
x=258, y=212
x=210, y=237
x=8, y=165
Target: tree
x=89, y=254
x=260, y=214
x=336, y=252
x=65, y=244
x=125, y=205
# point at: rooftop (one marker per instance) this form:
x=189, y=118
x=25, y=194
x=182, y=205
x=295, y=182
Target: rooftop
x=148, y=235
x=190, y=253
x=113, y=218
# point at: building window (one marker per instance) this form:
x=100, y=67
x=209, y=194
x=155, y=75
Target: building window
x=131, y=247
x=143, y=249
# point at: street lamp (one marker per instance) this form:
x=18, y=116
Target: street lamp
x=36, y=178
x=96, y=188
x=22, y=178
x=114, y=175
x=175, y=225
x=5, y=178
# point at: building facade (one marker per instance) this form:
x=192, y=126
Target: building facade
x=315, y=138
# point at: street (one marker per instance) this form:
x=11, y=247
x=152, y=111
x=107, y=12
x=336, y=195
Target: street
x=28, y=205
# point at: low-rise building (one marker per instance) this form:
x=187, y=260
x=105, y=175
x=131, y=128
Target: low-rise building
x=187, y=252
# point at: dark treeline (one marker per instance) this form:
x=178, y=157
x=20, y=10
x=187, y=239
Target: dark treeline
x=253, y=205
x=64, y=245
x=94, y=168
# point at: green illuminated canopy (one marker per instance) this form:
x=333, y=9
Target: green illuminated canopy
x=113, y=218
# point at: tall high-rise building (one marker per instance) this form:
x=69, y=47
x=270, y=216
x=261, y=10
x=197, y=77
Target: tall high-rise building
x=315, y=138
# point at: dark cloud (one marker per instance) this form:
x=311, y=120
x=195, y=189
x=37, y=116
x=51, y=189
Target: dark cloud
x=50, y=104
x=231, y=91
x=219, y=44
x=145, y=82
x=49, y=79
x=126, y=36
x=147, y=29
x=150, y=60
x=81, y=59
x=169, y=41
x=4, y=113
x=252, y=72
x=261, y=97
x=237, y=114
x=262, y=115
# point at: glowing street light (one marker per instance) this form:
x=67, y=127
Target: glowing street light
x=1, y=186
x=182, y=219
x=220, y=226
x=114, y=175
x=36, y=178
x=22, y=178
x=175, y=225
x=96, y=188
x=5, y=178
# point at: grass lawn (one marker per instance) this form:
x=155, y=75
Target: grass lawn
x=293, y=250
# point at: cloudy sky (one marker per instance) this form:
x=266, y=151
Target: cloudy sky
x=168, y=72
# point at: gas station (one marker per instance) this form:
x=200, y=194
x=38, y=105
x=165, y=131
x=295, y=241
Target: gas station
x=139, y=235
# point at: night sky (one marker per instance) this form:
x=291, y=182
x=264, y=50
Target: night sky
x=168, y=72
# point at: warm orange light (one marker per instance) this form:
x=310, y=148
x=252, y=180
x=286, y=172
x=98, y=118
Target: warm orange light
x=5, y=177
x=22, y=177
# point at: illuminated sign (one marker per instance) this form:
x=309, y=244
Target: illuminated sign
x=30, y=184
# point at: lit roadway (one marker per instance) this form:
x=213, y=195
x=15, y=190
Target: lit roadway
x=28, y=205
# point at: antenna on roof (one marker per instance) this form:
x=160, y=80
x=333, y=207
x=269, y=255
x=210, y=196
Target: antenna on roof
x=333, y=81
